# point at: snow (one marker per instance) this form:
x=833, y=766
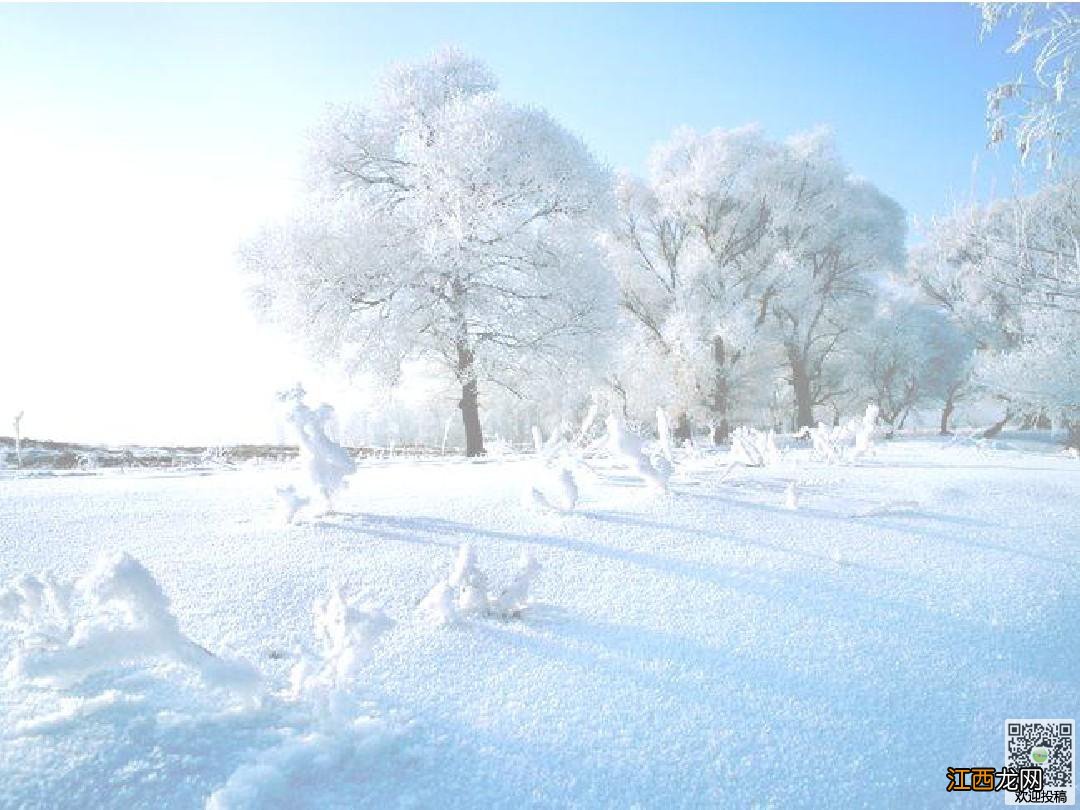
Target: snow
x=709, y=647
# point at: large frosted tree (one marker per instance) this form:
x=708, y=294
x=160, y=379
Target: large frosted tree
x=686, y=251
x=445, y=226
x=1008, y=274
x=743, y=262
x=835, y=234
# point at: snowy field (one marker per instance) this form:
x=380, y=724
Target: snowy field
x=705, y=648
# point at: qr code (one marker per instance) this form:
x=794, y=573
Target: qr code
x=1050, y=746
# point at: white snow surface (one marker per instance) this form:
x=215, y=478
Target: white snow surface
x=702, y=648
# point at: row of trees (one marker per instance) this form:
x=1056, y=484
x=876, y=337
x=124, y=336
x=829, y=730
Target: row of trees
x=455, y=234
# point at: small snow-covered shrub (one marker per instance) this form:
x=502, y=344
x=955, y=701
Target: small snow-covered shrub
x=864, y=431
x=663, y=432
x=465, y=592
x=847, y=442
x=553, y=487
x=828, y=442
x=345, y=633
x=291, y=502
x=325, y=462
x=114, y=616
x=754, y=448
x=791, y=496
x=627, y=449
x=515, y=597
x=327, y=727
x=550, y=483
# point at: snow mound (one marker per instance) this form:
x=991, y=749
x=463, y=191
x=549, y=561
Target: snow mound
x=114, y=616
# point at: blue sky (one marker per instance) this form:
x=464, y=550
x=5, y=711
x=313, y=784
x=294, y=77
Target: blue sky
x=902, y=85
x=139, y=144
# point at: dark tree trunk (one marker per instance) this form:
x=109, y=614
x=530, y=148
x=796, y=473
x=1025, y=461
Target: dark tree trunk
x=997, y=427
x=684, y=430
x=470, y=416
x=804, y=407
x=469, y=404
x=1073, y=437
x=721, y=431
x=721, y=395
x=946, y=414
x=900, y=424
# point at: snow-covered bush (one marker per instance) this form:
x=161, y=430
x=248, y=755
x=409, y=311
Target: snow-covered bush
x=465, y=591
x=325, y=462
x=847, y=442
x=115, y=615
x=514, y=598
x=291, y=502
x=553, y=487
x=863, y=431
x=828, y=442
x=326, y=723
x=791, y=496
x=345, y=633
x=550, y=483
x=754, y=448
x=628, y=450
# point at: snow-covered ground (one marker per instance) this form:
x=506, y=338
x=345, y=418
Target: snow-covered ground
x=709, y=647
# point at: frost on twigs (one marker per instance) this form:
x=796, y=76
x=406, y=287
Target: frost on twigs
x=465, y=593
x=116, y=615
x=326, y=464
x=754, y=448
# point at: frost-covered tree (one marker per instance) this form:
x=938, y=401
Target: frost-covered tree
x=910, y=355
x=741, y=256
x=834, y=234
x=1008, y=274
x=446, y=225
x=687, y=250
x=1041, y=111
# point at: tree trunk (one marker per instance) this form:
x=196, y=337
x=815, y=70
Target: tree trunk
x=900, y=424
x=946, y=414
x=1073, y=437
x=804, y=407
x=470, y=416
x=469, y=404
x=721, y=395
x=721, y=431
x=997, y=427
x=684, y=431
